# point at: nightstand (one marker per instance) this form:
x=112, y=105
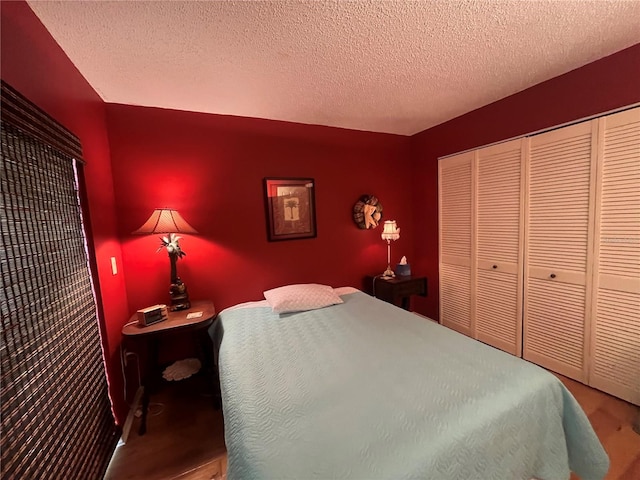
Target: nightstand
x=176, y=324
x=396, y=289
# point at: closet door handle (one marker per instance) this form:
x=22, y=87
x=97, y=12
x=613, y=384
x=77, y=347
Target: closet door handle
x=553, y=275
x=495, y=266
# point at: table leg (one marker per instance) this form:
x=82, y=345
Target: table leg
x=405, y=303
x=145, y=410
x=152, y=357
x=210, y=369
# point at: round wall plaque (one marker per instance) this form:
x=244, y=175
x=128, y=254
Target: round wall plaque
x=367, y=212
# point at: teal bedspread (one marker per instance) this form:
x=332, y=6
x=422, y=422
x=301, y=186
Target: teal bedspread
x=364, y=390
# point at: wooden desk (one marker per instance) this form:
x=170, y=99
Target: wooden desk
x=396, y=289
x=177, y=323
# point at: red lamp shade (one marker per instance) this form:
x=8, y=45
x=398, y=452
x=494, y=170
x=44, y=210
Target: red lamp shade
x=165, y=220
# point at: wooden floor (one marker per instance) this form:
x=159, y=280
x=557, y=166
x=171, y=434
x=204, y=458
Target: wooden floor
x=184, y=439
x=185, y=436
x=612, y=419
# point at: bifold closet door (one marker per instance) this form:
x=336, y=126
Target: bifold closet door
x=499, y=230
x=455, y=180
x=615, y=336
x=561, y=177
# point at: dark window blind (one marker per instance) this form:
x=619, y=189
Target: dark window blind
x=56, y=415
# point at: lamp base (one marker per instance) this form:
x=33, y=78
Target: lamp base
x=388, y=272
x=179, y=296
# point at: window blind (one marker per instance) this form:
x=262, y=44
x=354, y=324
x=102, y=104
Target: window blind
x=56, y=415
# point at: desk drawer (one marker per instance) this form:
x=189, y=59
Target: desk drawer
x=394, y=289
x=411, y=287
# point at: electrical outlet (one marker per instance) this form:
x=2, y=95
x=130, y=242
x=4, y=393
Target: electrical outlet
x=127, y=354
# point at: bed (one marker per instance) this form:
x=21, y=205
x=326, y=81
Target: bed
x=365, y=390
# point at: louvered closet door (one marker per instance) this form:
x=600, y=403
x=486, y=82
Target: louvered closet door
x=615, y=336
x=456, y=220
x=499, y=276
x=557, y=251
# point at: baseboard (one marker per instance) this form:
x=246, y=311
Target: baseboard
x=132, y=413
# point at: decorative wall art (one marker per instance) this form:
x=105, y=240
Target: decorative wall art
x=290, y=207
x=367, y=212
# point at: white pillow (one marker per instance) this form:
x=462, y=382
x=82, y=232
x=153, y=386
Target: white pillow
x=300, y=297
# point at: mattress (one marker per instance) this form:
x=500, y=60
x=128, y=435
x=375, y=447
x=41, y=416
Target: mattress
x=365, y=390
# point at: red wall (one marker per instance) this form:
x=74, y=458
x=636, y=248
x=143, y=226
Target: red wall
x=604, y=85
x=211, y=168
x=34, y=64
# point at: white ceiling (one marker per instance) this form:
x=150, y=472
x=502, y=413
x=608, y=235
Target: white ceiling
x=385, y=66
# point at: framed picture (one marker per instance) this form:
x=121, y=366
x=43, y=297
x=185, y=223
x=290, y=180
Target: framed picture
x=291, y=209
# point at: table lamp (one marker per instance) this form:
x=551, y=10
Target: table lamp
x=169, y=221
x=390, y=232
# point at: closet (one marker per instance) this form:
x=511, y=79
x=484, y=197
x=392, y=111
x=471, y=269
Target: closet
x=558, y=216
x=615, y=303
x=540, y=249
x=457, y=221
x=498, y=252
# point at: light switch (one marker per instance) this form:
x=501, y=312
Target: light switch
x=114, y=266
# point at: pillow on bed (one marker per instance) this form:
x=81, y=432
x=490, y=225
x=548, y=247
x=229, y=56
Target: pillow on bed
x=300, y=297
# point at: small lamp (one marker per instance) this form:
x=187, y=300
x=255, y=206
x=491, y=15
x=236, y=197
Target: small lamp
x=166, y=220
x=390, y=232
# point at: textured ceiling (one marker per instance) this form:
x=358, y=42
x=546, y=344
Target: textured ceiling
x=384, y=66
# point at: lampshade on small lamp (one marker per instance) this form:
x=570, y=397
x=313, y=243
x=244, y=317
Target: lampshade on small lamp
x=166, y=220
x=390, y=232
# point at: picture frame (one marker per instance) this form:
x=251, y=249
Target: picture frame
x=290, y=208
